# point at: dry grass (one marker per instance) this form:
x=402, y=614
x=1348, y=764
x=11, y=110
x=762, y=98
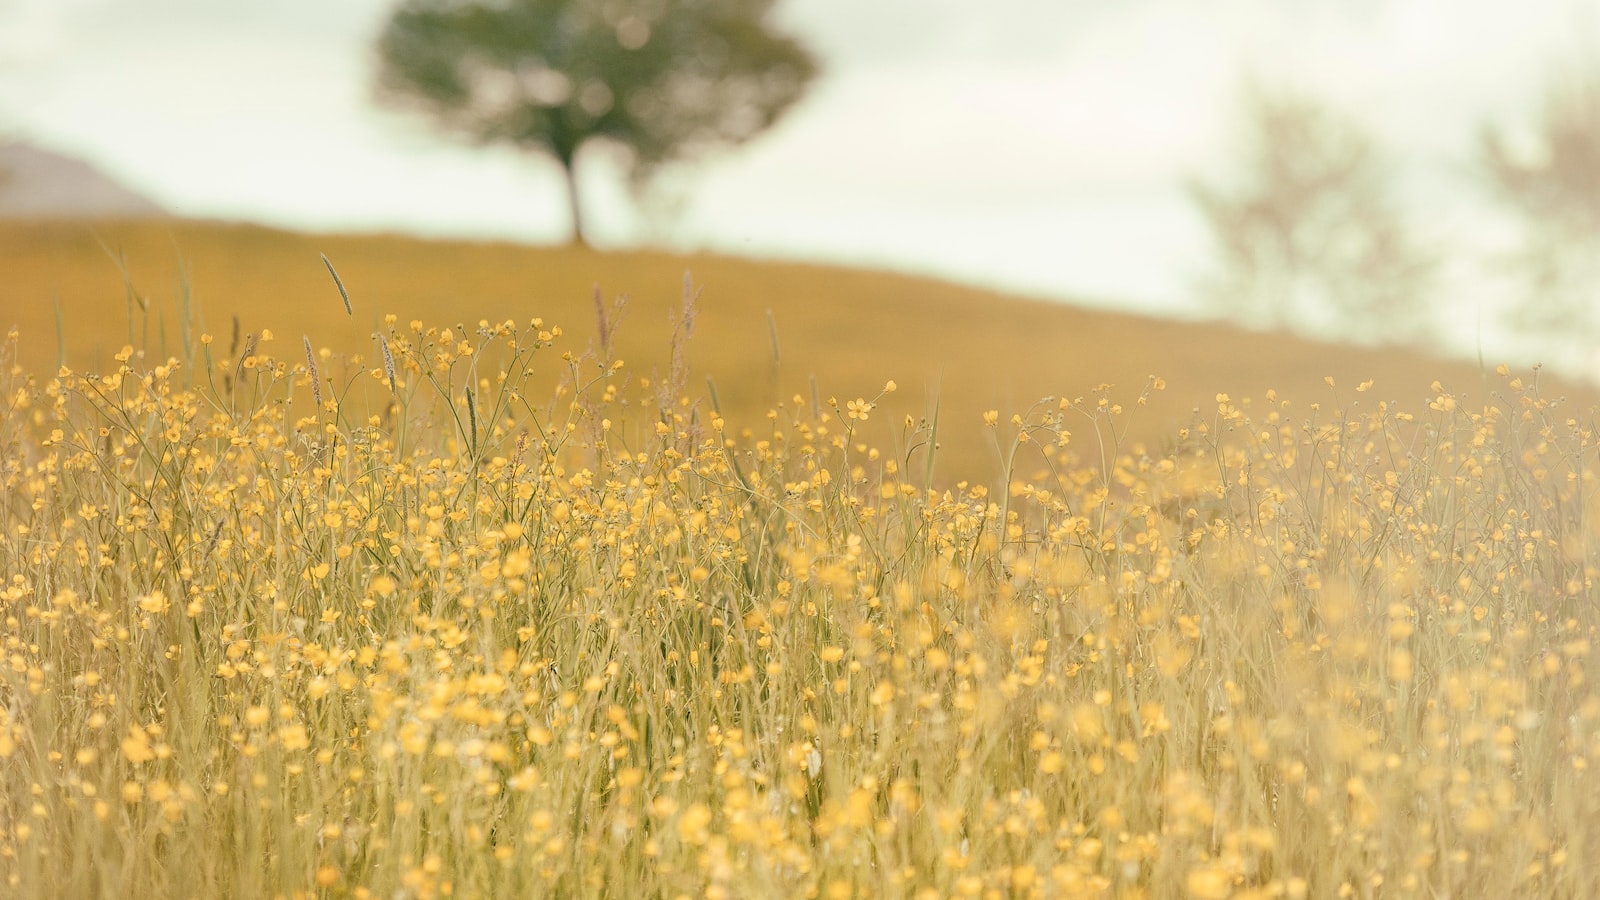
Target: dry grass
x=963, y=349
x=449, y=633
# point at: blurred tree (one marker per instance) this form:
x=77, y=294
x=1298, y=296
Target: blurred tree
x=1308, y=233
x=666, y=79
x=1550, y=178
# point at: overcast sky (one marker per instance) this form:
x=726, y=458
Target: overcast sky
x=1035, y=145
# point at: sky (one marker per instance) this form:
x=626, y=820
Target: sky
x=1036, y=146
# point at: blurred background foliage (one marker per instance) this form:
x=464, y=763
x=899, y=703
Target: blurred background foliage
x=663, y=81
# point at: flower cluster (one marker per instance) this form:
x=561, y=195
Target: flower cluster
x=325, y=627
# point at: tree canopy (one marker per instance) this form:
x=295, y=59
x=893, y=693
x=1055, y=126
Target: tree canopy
x=666, y=79
x=1309, y=232
x=1550, y=181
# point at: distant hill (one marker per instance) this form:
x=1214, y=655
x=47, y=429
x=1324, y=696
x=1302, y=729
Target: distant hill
x=38, y=184
x=764, y=331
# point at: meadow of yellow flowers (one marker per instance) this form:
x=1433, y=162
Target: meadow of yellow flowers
x=79, y=291
x=285, y=620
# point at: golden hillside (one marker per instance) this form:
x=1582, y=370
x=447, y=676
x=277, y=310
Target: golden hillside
x=966, y=349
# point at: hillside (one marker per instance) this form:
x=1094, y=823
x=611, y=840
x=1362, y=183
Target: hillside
x=35, y=183
x=964, y=349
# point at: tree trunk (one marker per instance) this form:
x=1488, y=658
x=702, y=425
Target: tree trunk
x=570, y=170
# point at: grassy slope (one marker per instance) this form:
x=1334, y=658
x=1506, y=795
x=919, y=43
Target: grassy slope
x=972, y=349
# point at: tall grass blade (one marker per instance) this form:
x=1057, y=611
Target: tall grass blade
x=61, y=336
x=339, y=283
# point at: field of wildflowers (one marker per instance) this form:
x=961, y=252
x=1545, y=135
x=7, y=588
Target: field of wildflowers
x=282, y=620
x=80, y=291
